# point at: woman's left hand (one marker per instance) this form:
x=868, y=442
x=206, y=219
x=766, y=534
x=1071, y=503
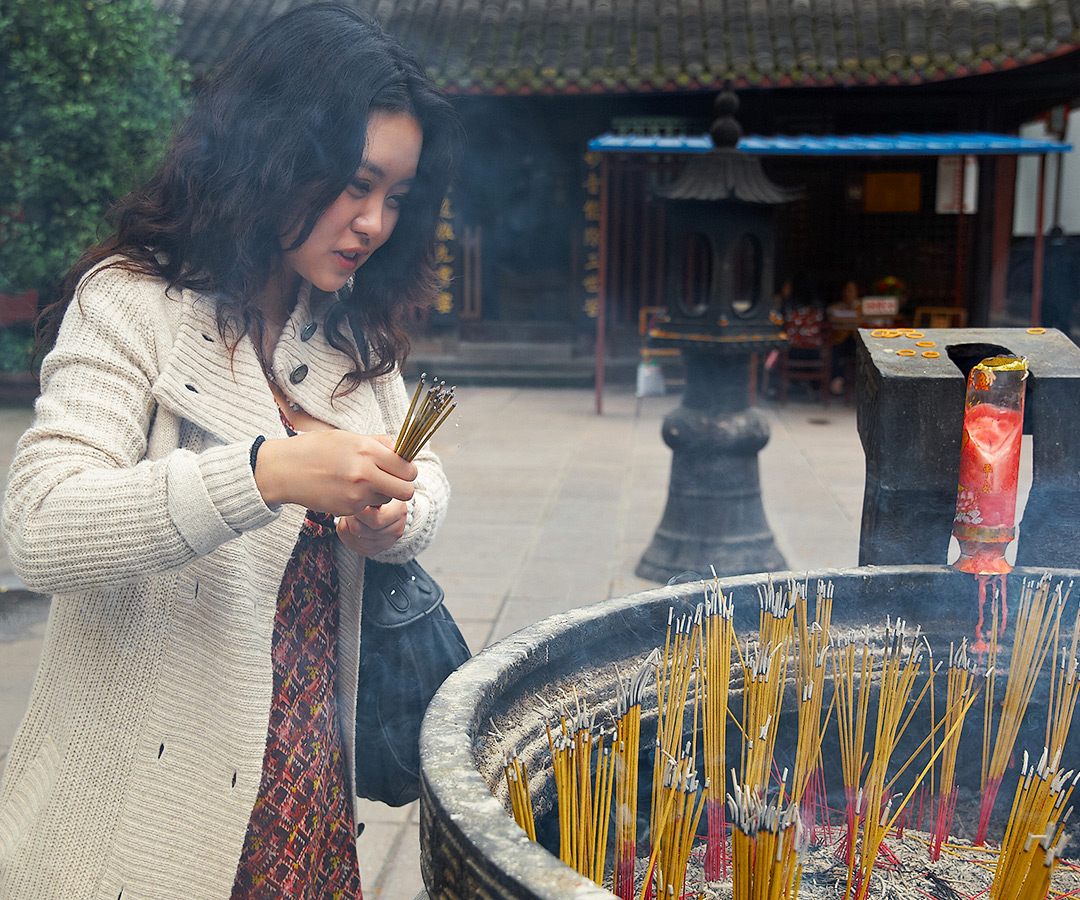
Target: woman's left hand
x=373, y=529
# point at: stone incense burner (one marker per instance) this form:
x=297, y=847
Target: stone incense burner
x=503, y=701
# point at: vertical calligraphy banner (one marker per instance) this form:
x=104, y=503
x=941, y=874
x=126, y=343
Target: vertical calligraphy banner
x=444, y=310
x=590, y=282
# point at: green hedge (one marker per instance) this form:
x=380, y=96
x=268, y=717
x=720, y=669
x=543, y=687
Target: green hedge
x=88, y=96
x=16, y=348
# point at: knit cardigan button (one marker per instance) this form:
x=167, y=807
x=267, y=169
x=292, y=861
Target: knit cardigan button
x=298, y=374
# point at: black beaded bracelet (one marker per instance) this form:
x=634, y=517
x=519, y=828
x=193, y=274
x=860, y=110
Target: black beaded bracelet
x=255, y=451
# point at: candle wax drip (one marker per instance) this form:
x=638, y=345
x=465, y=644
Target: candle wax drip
x=980, y=645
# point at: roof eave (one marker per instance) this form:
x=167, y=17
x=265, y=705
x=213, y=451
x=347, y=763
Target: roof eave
x=528, y=83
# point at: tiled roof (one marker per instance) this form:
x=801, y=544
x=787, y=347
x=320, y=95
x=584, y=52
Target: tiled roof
x=576, y=46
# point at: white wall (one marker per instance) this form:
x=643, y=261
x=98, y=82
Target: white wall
x=1027, y=182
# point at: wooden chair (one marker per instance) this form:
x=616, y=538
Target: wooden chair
x=939, y=317
x=808, y=354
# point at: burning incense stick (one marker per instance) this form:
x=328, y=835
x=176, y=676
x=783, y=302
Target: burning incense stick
x=887, y=823
x=1033, y=839
x=961, y=678
x=812, y=651
x=718, y=637
x=517, y=783
x=851, y=723
x=602, y=792
x=675, y=671
x=677, y=823
x=763, y=682
x=584, y=782
x=673, y=677
x=424, y=417
x=682, y=805
x=869, y=802
x=988, y=705
x=626, y=745
x=767, y=844
x=899, y=670
x=1037, y=623
x=1063, y=692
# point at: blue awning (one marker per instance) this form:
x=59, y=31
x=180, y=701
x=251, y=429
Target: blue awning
x=630, y=143
x=958, y=144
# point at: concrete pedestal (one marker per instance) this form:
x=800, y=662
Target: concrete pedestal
x=714, y=518
x=910, y=413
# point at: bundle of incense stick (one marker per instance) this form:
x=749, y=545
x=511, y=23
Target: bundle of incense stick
x=564, y=758
x=424, y=417
x=1033, y=838
x=875, y=801
x=683, y=798
x=899, y=670
x=812, y=649
x=767, y=845
x=626, y=745
x=562, y=761
x=674, y=674
x=763, y=682
x=1037, y=623
x=1063, y=692
x=988, y=711
x=851, y=724
x=718, y=636
x=517, y=784
x=679, y=811
x=597, y=829
x=763, y=693
x=961, y=683
x=584, y=797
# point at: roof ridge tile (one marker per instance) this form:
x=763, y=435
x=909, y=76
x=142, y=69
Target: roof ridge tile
x=552, y=46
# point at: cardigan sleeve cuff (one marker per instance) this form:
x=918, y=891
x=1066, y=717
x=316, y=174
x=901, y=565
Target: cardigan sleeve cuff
x=419, y=530
x=213, y=496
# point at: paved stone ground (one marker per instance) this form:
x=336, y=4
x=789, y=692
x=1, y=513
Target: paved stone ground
x=552, y=508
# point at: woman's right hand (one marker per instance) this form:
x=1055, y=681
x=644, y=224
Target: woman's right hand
x=333, y=471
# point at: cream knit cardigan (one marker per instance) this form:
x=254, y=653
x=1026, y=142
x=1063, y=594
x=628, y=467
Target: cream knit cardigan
x=131, y=500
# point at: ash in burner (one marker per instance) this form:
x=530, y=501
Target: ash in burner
x=905, y=757
x=964, y=873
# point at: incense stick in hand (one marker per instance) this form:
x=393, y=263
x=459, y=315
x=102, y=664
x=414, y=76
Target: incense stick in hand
x=424, y=417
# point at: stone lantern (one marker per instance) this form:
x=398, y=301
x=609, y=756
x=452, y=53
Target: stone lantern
x=720, y=249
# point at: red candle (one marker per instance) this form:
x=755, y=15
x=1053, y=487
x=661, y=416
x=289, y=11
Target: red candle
x=990, y=464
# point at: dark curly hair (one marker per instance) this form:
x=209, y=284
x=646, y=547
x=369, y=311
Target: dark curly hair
x=280, y=128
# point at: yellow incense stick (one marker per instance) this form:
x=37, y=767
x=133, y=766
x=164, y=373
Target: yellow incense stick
x=424, y=417
x=1037, y=624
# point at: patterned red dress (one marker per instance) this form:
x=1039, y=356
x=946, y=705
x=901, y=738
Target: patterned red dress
x=299, y=843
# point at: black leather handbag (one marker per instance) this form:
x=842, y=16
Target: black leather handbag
x=409, y=644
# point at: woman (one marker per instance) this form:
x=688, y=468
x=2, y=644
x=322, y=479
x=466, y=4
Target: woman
x=223, y=384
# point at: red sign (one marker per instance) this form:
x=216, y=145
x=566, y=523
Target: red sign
x=880, y=306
